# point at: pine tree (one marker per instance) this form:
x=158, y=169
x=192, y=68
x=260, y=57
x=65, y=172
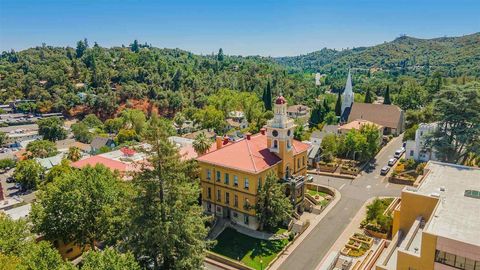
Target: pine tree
x=167, y=228
x=135, y=46
x=338, y=105
x=386, y=99
x=220, y=55
x=326, y=107
x=314, y=117
x=267, y=100
x=368, y=96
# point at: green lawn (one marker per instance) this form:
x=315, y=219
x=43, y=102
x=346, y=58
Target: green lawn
x=314, y=192
x=246, y=249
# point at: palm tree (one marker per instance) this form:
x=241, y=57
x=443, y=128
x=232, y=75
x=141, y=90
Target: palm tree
x=201, y=144
x=74, y=154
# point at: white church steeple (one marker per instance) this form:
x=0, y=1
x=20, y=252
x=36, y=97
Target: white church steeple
x=347, y=98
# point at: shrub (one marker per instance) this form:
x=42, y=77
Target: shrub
x=291, y=235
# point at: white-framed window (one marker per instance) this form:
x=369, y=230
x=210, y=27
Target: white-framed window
x=227, y=178
x=209, y=174
x=235, y=181
x=219, y=175
x=246, y=184
x=219, y=195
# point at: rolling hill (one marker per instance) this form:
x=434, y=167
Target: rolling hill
x=451, y=56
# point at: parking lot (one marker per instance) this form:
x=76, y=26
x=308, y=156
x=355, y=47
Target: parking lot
x=10, y=191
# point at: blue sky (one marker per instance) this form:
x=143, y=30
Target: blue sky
x=246, y=27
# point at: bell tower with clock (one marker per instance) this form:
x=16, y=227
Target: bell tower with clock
x=280, y=136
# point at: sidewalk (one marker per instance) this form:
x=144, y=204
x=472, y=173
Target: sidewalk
x=255, y=233
x=284, y=255
x=217, y=229
x=352, y=228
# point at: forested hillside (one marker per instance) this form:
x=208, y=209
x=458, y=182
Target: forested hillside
x=101, y=80
x=450, y=56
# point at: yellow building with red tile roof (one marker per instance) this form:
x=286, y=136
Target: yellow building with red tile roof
x=232, y=174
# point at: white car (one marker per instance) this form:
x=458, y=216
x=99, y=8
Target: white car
x=392, y=161
x=384, y=170
x=399, y=152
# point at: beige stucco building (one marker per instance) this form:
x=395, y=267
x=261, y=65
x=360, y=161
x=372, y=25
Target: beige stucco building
x=232, y=173
x=437, y=224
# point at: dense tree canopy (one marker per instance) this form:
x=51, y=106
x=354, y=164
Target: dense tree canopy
x=79, y=206
x=42, y=149
x=52, y=129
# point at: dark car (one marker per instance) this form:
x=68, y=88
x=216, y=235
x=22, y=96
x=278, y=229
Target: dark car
x=384, y=170
x=10, y=179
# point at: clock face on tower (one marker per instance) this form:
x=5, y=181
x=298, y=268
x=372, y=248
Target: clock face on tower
x=275, y=133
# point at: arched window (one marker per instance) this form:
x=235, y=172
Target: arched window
x=275, y=144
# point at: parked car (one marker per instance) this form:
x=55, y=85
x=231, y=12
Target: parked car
x=18, y=185
x=392, y=161
x=384, y=170
x=10, y=179
x=399, y=152
x=309, y=178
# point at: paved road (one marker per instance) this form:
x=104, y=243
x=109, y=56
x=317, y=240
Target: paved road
x=354, y=194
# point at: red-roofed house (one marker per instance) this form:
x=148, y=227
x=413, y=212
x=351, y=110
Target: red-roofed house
x=232, y=173
x=125, y=161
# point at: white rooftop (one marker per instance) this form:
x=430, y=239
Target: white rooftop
x=456, y=216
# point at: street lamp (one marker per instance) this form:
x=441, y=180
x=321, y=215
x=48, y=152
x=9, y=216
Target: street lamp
x=261, y=264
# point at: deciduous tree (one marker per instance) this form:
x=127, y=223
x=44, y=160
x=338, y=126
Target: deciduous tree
x=28, y=173
x=79, y=206
x=272, y=205
x=51, y=129
x=109, y=259
x=41, y=149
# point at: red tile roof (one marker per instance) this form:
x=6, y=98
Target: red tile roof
x=248, y=155
x=109, y=163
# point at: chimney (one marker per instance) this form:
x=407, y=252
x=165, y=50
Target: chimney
x=248, y=135
x=225, y=139
x=263, y=131
x=218, y=141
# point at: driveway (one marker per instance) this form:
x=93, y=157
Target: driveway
x=311, y=251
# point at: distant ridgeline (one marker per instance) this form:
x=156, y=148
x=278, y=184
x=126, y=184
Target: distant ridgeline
x=450, y=56
x=92, y=79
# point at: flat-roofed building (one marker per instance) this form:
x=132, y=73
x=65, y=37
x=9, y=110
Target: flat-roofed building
x=437, y=223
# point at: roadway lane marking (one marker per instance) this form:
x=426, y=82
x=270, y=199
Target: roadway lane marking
x=369, y=186
x=341, y=187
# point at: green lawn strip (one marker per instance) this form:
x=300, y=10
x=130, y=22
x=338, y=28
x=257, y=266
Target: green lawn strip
x=314, y=192
x=246, y=249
